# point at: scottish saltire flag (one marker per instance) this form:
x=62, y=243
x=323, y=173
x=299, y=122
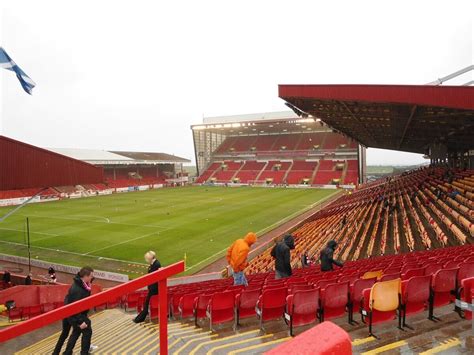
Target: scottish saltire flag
x=7, y=63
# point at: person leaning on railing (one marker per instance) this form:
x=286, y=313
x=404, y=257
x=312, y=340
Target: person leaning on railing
x=150, y=258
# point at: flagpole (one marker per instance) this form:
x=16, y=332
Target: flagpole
x=28, y=243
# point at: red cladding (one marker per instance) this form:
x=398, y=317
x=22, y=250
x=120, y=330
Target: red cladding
x=26, y=166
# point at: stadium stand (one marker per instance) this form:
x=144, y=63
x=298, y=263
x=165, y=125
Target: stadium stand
x=413, y=211
x=80, y=172
x=297, y=145
x=24, y=166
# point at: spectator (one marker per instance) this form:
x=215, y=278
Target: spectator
x=344, y=221
x=7, y=277
x=281, y=253
x=453, y=193
x=150, y=258
x=80, y=323
x=52, y=275
x=305, y=260
x=28, y=280
x=326, y=256
x=237, y=257
x=66, y=328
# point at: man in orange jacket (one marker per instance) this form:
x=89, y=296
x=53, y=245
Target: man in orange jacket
x=237, y=257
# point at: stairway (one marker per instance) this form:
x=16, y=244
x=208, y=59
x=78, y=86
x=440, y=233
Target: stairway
x=261, y=171
x=313, y=175
x=115, y=333
x=287, y=171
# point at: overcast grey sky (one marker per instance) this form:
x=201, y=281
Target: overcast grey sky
x=134, y=75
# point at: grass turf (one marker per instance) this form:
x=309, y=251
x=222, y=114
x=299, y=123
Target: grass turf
x=199, y=221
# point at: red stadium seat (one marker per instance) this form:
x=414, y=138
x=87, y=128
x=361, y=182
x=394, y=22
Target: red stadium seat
x=200, y=307
x=388, y=277
x=334, y=300
x=174, y=302
x=443, y=286
x=236, y=289
x=321, y=284
x=245, y=304
x=452, y=264
x=466, y=270
x=302, y=308
x=413, y=272
x=349, y=278
x=114, y=303
x=295, y=288
x=32, y=311
x=15, y=314
x=356, y=295
x=186, y=305
x=467, y=294
x=154, y=308
x=391, y=270
x=46, y=307
x=409, y=266
x=415, y=295
x=431, y=269
x=271, y=304
x=221, y=308
x=296, y=280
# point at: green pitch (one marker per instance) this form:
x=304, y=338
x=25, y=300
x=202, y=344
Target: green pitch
x=109, y=232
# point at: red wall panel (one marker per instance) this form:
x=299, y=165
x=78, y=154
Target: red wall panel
x=26, y=166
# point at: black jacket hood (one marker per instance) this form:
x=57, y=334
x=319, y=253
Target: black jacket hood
x=289, y=241
x=332, y=244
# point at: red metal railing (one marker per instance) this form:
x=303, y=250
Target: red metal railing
x=101, y=298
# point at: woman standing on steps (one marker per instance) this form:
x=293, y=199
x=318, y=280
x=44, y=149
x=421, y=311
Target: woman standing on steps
x=150, y=258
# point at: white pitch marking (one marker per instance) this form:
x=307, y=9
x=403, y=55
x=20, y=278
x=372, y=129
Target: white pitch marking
x=71, y=252
x=124, y=242
x=19, y=230
x=92, y=221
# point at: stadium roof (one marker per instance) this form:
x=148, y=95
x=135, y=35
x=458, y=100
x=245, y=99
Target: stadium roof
x=103, y=157
x=156, y=157
x=398, y=117
x=251, y=117
x=260, y=123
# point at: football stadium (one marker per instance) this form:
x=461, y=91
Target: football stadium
x=277, y=245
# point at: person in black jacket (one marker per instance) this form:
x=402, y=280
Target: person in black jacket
x=28, y=280
x=80, y=323
x=326, y=256
x=66, y=326
x=150, y=258
x=281, y=253
x=7, y=277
